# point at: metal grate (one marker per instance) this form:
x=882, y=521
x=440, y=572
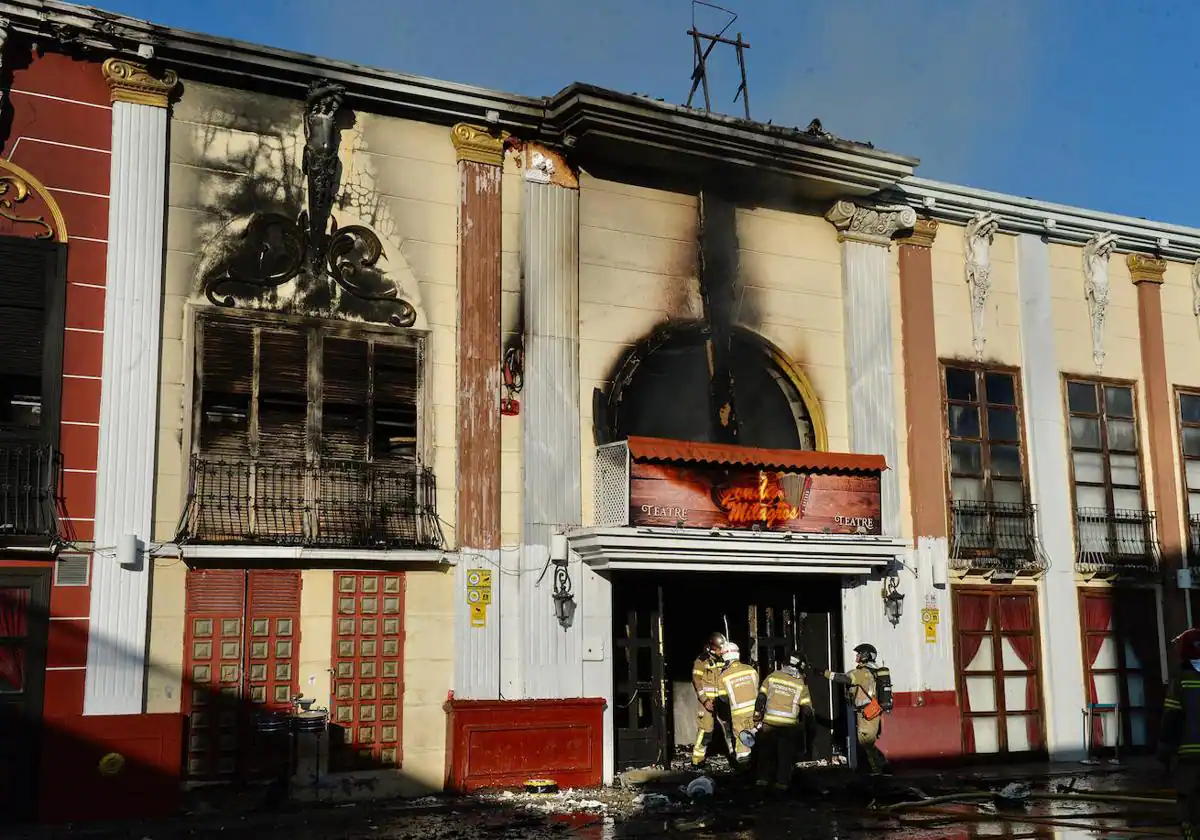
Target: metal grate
x=29, y=491
x=336, y=504
x=611, y=485
x=996, y=536
x=72, y=570
x=1122, y=541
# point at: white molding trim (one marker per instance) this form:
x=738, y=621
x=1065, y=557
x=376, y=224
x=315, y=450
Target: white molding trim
x=323, y=556
x=612, y=549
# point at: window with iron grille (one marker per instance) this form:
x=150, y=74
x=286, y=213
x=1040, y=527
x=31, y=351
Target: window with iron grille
x=991, y=519
x=308, y=433
x=1189, y=446
x=1106, y=469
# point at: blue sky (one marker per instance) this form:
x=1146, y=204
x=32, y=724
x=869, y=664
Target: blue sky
x=1084, y=102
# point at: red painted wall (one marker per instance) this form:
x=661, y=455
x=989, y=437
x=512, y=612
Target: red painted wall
x=504, y=743
x=923, y=727
x=61, y=134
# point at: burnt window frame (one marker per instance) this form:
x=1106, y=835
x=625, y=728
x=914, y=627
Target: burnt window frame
x=983, y=440
x=48, y=430
x=1183, y=393
x=1100, y=384
x=316, y=330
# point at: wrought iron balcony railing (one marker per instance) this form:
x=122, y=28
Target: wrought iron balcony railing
x=29, y=492
x=1194, y=538
x=333, y=504
x=995, y=536
x=1121, y=541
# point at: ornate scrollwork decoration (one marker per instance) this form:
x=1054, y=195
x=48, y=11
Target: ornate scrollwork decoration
x=270, y=253
x=14, y=190
x=353, y=252
x=322, y=140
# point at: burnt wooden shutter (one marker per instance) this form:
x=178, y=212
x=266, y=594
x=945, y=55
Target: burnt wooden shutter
x=345, y=405
x=282, y=395
x=226, y=386
x=27, y=269
x=396, y=379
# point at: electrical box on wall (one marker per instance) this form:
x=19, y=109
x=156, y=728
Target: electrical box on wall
x=509, y=407
x=1184, y=578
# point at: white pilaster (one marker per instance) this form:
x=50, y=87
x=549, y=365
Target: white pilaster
x=866, y=234
x=550, y=654
x=1049, y=468
x=116, y=662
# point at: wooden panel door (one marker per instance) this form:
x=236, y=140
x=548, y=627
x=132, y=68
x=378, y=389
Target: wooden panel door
x=24, y=606
x=368, y=671
x=998, y=656
x=640, y=677
x=241, y=641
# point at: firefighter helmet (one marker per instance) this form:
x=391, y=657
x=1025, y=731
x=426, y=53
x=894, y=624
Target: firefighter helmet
x=866, y=653
x=731, y=653
x=795, y=658
x=716, y=645
x=1187, y=644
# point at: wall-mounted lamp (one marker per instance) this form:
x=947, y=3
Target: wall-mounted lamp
x=893, y=600
x=564, y=600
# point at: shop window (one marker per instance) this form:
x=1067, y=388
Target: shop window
x=32, y=291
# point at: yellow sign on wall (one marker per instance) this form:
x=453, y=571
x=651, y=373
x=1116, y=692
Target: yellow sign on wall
x=931, y=617
x=479, y=595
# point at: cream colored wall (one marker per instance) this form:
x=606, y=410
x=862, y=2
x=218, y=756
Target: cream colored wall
x=512, y=441
x=1181, y=340
x=638, y=270
x=236, y=151
x=952, y=300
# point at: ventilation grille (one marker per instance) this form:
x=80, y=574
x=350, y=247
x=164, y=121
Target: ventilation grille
x=72, y=570
x=220, y=591
x=274, y=591
x=611, y=502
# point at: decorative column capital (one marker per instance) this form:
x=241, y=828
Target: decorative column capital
x=1144, y=268
x=134, y=83
x=923, y=234
x=875, y=225
x=543, y=165
x=476, y=144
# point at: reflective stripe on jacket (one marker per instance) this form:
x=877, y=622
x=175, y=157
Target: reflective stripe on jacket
x=1180, y=729
x=739, y=683
x=706, y=676
x=786, y=695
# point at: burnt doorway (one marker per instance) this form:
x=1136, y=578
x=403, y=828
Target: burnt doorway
x=663, y=619
x=998, y=656
x=639, y=683
x=24, y=627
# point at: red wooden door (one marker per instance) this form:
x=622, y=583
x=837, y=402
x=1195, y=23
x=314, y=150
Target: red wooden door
x=24, y=609
x=368, y=670
x=240, y=646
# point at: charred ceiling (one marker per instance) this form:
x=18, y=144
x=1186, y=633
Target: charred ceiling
x=330, y=264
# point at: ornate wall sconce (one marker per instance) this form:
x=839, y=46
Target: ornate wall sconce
x=893, y=600
x=564, y=599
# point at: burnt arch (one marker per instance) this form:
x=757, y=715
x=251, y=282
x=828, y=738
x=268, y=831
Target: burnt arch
x=661, y=389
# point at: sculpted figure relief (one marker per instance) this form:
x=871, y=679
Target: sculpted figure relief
x=979, y=235
x=1095, y=277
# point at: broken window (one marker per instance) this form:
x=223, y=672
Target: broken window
x=275, y=391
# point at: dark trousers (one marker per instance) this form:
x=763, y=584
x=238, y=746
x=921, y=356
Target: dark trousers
x=776, y=748
x=1187, y=790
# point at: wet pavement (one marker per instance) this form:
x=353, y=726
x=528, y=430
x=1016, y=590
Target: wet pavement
x=1062, y=802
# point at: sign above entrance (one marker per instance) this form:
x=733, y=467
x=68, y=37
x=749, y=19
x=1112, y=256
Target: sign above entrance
x=693, y=485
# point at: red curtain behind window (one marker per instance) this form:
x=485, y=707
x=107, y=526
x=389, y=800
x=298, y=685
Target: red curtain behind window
x=1097, y=626
x=972, y=615
x=14, y=625
x=1016, y=616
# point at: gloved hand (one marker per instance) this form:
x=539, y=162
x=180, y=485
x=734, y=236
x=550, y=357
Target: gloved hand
x=708, y=706
x=758, y=719
x=828, y=674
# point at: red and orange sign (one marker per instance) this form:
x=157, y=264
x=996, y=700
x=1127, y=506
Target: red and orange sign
x=760, y=503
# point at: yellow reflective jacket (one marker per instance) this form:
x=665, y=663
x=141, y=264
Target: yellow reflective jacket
x=739, y=684
x=782, y=697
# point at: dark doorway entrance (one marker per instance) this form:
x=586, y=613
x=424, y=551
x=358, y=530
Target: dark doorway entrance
x=24, y=608
x=661, y=621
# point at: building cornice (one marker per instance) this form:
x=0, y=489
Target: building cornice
x=1058, y=223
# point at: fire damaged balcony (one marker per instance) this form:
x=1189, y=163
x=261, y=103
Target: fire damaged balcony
x=333, y=504
x=995, y=537
x=1116, y=542
x=29, y=494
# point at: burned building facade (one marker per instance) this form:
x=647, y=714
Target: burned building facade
x=470, y=416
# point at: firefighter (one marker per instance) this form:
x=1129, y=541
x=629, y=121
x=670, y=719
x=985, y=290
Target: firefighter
x=739, y=687
x=706, y=676
x=861, y=688
x=1179, y=742
x=783, y=707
